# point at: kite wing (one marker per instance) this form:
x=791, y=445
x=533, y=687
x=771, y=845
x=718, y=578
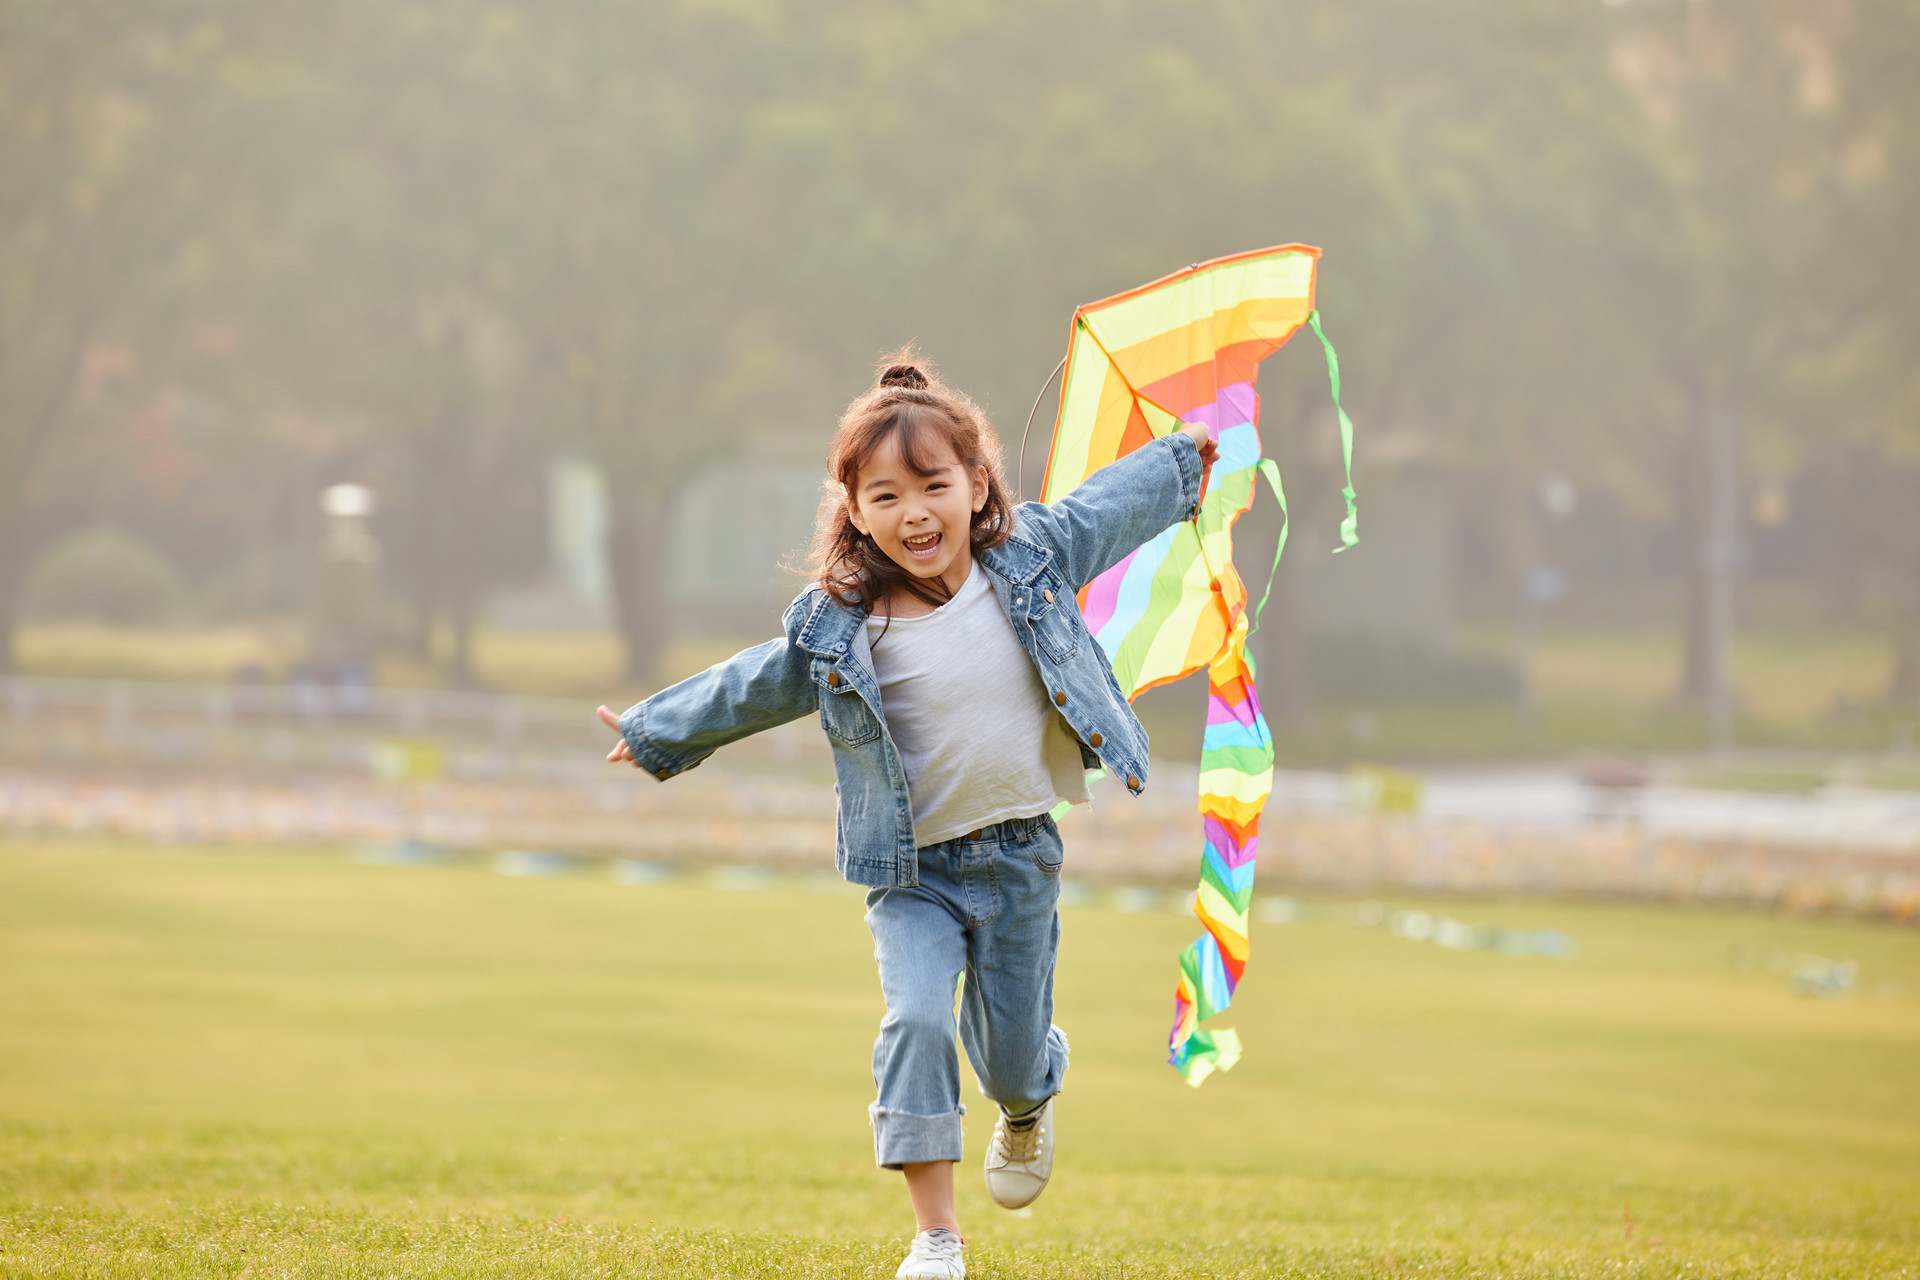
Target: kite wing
x=1186, y=349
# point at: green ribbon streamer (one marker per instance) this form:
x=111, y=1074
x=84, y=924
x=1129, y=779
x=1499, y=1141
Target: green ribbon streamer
x=1349, y=527
x=1271, y=470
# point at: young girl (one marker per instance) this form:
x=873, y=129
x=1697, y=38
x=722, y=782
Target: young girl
x=964, y=698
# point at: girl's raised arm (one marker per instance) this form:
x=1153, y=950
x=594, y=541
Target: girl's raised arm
x=1124, y=503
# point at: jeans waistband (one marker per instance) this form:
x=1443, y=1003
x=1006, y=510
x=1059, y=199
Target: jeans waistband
x=999, y=832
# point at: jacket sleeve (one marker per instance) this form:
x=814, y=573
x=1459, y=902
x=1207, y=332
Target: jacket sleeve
x=1120, y=506
x=756, y=689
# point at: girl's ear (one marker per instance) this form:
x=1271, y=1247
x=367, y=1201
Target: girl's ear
x=854, y=518
x=979, y=488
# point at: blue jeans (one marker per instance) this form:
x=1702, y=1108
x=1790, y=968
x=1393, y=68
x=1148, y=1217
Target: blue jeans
x=987, y=904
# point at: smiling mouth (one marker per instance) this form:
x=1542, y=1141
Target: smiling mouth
x=924, y=547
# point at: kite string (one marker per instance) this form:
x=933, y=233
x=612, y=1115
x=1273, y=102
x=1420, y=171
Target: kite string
x=1213, y=575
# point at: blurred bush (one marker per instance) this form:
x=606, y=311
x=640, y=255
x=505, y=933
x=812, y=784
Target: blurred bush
x=103, y=574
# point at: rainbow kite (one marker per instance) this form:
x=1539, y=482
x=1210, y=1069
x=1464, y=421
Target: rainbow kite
x=1186, y=349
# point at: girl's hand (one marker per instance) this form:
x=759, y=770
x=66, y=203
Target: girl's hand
x=1208, y=450
x=620, y=752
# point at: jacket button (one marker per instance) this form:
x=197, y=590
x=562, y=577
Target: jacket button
x=1060, y=698
x=1048, y=596
x=664, y=774
x=1095, y=740
x=833, y=679
x=1133, y=782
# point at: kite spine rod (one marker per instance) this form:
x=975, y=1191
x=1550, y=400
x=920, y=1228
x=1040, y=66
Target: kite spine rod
x=1020, y=473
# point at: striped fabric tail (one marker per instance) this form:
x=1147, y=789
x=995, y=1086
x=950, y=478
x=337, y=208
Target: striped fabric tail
x=1236, y=775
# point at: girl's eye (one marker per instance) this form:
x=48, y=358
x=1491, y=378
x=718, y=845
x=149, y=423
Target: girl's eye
x=937, y=484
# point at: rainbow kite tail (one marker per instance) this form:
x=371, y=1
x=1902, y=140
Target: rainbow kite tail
x=1236, y=775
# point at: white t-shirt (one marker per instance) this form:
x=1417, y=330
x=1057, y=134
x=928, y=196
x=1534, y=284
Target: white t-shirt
x=969, y=714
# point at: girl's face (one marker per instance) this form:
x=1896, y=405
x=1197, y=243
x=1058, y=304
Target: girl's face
x=922, y=522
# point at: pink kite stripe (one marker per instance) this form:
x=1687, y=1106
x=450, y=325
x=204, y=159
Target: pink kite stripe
x=1219, y=837
x=1220, y=711
x=1234, y=405
x=1104, y=594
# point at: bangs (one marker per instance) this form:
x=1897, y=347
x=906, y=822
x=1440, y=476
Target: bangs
x=922, y=430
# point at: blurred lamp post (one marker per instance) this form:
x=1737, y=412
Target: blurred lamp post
x=1558, y=498
x=344, y=622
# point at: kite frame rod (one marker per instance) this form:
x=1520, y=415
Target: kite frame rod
x=1020, y=470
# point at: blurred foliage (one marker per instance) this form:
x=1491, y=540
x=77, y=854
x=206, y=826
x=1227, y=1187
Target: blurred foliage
x=247, y=251
x=104, y=575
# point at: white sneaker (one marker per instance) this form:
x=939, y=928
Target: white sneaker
x=1020, y=1157
x=935, y=1256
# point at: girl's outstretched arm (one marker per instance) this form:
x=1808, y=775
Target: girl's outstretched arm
x=682, y=725
x=1125, y=503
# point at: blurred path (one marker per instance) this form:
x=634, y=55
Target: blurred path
x=1557, y=797
x=1541, y=831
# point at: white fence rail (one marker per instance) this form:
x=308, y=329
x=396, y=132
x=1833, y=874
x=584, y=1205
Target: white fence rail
x=123, y=706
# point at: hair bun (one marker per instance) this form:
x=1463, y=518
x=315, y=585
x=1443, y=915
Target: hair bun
x=904, y=375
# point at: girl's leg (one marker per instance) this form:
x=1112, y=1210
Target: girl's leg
x=1006, y=1008
x=930, y=1187
x=920, y=945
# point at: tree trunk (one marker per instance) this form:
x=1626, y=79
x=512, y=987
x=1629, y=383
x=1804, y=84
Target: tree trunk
x=13, y=569
x=1905, y=690
x=1693, y=493
x=460, y=613
x=638, y=527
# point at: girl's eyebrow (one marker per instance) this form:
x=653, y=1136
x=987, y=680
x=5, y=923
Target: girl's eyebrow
x=888, y=482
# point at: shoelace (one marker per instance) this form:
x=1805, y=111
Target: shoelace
x=937, y=1245
x=1020, y=1139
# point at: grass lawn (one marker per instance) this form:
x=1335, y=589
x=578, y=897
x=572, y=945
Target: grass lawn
x=267, y=1064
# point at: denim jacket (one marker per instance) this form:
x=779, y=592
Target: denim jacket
x=824, y=664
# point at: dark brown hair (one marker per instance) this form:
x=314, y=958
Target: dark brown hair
x=907, y=401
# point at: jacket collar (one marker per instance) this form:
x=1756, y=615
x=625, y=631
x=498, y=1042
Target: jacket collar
x=1019, y=560
x=829, y=627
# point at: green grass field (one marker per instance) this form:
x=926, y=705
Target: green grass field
x=287, y=1064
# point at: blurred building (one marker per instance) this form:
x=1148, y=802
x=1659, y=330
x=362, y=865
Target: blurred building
x=737, y=527
x=576, y=592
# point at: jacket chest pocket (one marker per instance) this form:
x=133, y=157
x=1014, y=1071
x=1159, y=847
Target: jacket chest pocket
x=843, y=713
x=1051, y=614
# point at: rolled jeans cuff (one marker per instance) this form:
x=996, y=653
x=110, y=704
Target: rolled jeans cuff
x=901, y=1137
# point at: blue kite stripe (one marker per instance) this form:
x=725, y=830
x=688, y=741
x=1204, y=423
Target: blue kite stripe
x=1239, y=879
x=1232, y=733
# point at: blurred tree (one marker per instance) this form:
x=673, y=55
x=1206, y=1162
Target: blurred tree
x=660, y=259
x=68, y=120
x=1859, y=387
x=1743, y=100
x=425, y=244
